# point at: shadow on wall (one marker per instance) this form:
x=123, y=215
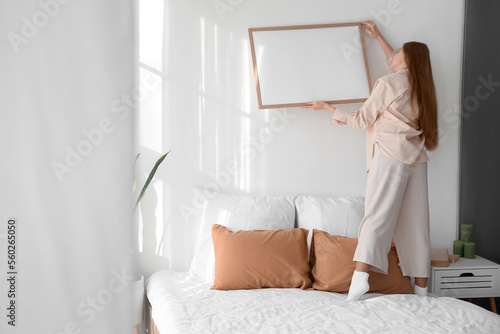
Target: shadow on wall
x=148, y=258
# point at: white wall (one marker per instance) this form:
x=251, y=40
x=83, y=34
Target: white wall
x=64, y=64
x=211, y=118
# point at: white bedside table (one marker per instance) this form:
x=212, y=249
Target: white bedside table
x=467, y=278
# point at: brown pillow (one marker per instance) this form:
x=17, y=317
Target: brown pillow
x=260, y=259
x=332, y=266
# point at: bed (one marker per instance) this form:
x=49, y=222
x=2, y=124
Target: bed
x=186, y=302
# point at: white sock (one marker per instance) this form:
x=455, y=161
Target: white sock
x=359, y=285
x=422, y=292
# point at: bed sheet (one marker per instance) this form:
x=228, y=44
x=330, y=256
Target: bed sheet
x=184, y=304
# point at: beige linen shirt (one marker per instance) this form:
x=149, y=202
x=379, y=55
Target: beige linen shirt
x=388, y=118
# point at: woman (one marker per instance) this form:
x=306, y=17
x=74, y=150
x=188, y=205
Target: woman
x=401, y=121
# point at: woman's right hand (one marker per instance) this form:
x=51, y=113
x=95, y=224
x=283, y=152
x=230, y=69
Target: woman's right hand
x=372, y=29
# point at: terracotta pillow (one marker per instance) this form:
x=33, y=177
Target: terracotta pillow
x=332, y=266
x=260, y=259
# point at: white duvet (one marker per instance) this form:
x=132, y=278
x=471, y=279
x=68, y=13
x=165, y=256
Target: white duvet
x=182, y=304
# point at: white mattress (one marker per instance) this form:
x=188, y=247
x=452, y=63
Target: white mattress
x=182, y=304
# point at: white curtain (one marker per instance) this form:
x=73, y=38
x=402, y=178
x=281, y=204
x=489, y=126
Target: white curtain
x=67, y=71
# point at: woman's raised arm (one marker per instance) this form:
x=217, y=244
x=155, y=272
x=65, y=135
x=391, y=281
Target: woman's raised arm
x=372, y=30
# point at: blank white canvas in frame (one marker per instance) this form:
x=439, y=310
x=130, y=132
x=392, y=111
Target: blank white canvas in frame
x=295, y=65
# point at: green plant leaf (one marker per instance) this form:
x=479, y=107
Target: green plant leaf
x=150, y=177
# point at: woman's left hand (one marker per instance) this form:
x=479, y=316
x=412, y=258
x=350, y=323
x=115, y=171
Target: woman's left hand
x=319, y=105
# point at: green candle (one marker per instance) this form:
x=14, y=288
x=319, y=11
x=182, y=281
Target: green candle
x=458, y=247
x=466, y=232
x=469, y=250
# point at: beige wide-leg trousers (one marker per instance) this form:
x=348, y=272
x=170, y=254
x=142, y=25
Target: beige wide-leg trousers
x=396, y=205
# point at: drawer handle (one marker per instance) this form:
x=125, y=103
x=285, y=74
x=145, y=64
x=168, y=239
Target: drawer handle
x=467, y=275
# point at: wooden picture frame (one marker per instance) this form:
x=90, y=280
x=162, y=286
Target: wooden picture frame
x=297, y=64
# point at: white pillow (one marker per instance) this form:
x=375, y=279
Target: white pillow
x=237, y=213
x=337, y=216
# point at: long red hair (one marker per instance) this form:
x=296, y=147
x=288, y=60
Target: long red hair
x=423, y=92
